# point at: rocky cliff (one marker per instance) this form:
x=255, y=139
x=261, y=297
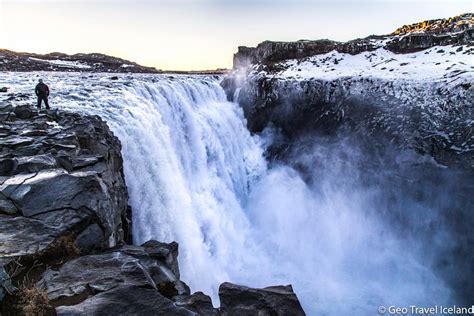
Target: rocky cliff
x=416, y=93
x=62, y=191
x=411, y=38
x=65, y=230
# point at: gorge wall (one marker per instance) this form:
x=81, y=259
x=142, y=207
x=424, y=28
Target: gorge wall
x=380, y=129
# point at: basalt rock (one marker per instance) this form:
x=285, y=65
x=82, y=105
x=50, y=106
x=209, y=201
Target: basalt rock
x=47, y=160
x=126, y=300
x=89, y=275
x=198, y=302
x=245, y=301
x=51, y=211
x=390, y=111
x=126, y=280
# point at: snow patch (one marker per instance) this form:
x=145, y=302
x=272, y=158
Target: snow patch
x=62, y=63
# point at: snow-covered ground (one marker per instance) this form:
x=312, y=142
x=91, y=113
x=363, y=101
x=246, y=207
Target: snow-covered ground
x=445, y=63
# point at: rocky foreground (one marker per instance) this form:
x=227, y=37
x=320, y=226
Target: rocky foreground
x=65, y=230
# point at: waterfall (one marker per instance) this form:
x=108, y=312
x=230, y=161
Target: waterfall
x=189, y=163
x=196, y=176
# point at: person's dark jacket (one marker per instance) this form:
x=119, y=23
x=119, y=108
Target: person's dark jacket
x=42, y=90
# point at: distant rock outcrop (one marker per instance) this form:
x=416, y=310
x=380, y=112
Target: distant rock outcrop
x=454, y=31
x=15, y=61
x=453, y=24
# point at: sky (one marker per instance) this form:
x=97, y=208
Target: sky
x=199, y=34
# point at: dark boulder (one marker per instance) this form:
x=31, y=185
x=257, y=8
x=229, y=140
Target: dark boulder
x=90, y=239
x=55, y=189
x=7, y=206
x=33, y=164
x=197, y=302
x=82, y=277
x=125, y=300
x=90, y=275
x=167, y=253
x=24, y=111
x=244, y=301
x=7, y=166
x=24, y=237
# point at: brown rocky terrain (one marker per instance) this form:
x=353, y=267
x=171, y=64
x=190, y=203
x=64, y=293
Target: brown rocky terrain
x=15, y=61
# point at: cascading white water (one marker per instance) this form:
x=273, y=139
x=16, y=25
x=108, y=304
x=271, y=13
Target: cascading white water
x=196, y=175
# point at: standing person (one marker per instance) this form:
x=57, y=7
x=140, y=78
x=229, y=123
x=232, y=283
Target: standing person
x=42, y=92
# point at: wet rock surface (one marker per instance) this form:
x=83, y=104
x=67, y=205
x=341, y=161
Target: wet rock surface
x=126, y=300
x=130, y=266
x=198, y=303
x=56, y=161
x=62, y=191
x=244, y=301
x=429, y=117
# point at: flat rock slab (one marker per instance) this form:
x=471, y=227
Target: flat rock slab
x=89, y=274
x=237, y=300
x=22, y=236
x=198, y=302
x=126, y=300
x=54, y=189
x=35, y=163
x=49, y=190
x=86, y=276
x=15, y=141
